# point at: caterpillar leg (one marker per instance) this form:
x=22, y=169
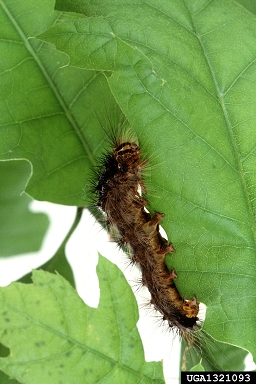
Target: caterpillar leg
x=167, y=248
x=191, y=308
x=151, y=226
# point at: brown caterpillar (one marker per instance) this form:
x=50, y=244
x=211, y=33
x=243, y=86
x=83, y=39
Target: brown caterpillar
x=117, y=187
x=119, y=180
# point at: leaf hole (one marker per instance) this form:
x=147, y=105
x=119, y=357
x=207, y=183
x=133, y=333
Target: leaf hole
x=4, y=351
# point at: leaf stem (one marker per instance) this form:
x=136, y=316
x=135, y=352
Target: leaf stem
x=58, y=263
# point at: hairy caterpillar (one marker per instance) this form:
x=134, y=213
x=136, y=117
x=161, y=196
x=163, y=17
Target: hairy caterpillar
x=119, y=193
x=119, y=178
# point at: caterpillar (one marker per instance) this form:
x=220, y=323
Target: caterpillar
x=119, y=180
x=119, y=194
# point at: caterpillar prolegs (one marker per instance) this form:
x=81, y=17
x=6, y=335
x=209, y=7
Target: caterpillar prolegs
x=119, y=182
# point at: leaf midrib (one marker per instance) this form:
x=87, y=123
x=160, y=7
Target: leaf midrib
x=28, y=42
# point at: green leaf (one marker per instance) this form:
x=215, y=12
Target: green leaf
x=183, y=73
x=58, y=263
x=21, y=231
x=55, y=338
x=249, y=5
x=212, y=355
x=4, y=379
x=184, y=76
x=46, y=106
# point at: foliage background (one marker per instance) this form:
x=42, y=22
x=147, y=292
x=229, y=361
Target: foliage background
x=183, y=74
